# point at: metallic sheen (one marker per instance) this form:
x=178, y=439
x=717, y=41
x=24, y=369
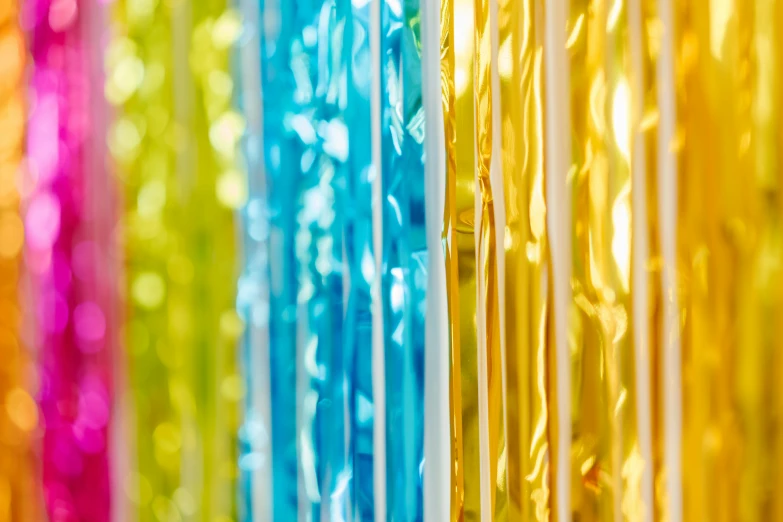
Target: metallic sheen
x=405, y=255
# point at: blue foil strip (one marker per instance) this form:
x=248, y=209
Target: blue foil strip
x=405, y=256
x=316, y=83
x=282, y=151
x=360, y=254
x=318, y=64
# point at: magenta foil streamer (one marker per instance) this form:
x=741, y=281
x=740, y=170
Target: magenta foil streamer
x=69, y=224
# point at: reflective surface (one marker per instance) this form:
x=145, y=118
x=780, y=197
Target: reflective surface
x=729, y=226
x=527, y=279
x=457, y=25
x=405, y=256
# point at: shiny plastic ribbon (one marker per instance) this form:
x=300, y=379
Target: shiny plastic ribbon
x=356, y=213
x=176, y=141
x=727, y=75
x=605, y=450
x=253, y=286
x=405, y=256
x=319, y=133
x=321, y=246
x=280, y=93
x=19, y=417
x=69, y=223
x=527, y=281
x=459, y=244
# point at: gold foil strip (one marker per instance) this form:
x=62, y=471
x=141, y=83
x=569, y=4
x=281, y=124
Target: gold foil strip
x=459, y=222
x=606, y=461
x=488, y=320
x=520, y=64
x=729, y=232
x=19, y=494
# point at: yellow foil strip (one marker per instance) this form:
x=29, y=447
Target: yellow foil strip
x=606, y=460
x=489, y=314
x=19, y=496
x=457, y=18
x=730, y=248
x=520, y=63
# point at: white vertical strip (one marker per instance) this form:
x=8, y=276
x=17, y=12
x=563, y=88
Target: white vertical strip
x=641, y=252
x=667, y=198
x=557, y=164
x=437, y=447
x=378, y=361
x=482, y=372
x=258, y=356
x=486, y=483
x=498, y=194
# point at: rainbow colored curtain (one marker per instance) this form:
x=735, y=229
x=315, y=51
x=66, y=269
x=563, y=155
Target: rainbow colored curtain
x=391, y=260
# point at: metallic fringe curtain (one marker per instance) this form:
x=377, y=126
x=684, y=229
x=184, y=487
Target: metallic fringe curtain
x=391, y=260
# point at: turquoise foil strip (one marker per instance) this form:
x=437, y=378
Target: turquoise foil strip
x=281, y=149
x=315, y=70
x=360, y=254
x=318, y=64
x=405, y=260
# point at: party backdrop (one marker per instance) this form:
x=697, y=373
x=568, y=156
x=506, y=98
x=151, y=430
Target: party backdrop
x=391, y=260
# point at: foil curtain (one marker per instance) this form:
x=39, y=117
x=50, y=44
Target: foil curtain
x=346, y=257
x=670, y=122
x=232, y=234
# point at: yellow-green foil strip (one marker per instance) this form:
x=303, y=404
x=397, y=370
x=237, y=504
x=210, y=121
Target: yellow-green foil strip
x=520, y=64
x=606, y=462
x=175, y=141
x=730, y=251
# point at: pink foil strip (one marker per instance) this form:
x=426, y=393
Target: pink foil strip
x=69, y=221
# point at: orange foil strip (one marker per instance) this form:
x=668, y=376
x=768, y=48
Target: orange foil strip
x=20, y=498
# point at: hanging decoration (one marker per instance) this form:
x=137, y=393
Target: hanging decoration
x=330, y=260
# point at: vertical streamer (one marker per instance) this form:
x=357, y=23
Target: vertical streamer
x=729, y=223
x=559, y=180
x=253, y=285
x=176, y=143
x=19, y=417
x=404, y=255
x=606, y=452
x=69, y=225
x=520, y=63
x=437, y=454
x=363, y=351
x=646, y=281
x=281, y=170
x=457, y=18
x=488, y=316
x=669, y=409
x=318, y=153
